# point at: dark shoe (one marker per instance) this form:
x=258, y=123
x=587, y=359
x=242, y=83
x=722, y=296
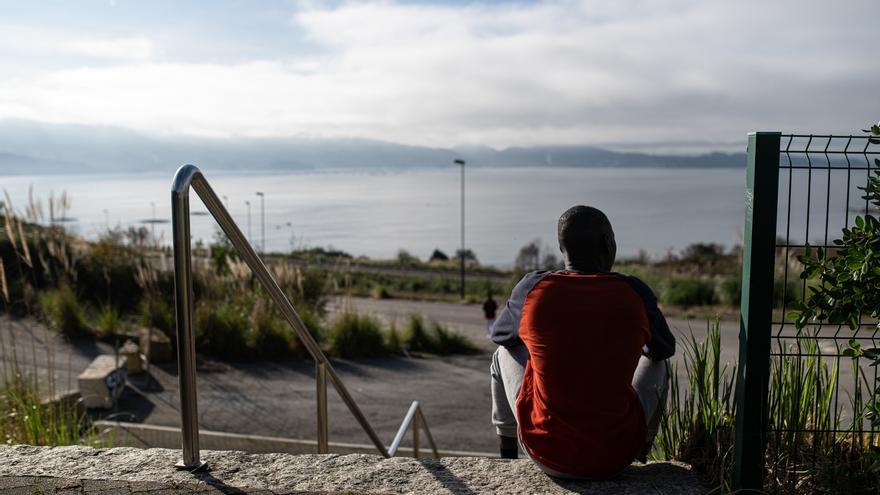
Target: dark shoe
x=509, y=453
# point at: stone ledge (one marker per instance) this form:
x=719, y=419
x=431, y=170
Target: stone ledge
x=28, y=469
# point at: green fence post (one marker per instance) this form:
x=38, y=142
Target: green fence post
x=756, y=310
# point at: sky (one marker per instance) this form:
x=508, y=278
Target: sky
x=644, y=75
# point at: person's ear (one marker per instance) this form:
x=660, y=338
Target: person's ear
x=610, y=247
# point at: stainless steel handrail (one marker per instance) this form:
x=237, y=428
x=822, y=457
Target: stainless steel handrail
x=190, y=176
x=414, y=417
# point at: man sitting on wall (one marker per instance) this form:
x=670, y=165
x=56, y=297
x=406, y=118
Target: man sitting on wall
x=580, y=375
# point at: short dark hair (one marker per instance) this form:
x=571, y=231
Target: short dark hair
x=582, y=232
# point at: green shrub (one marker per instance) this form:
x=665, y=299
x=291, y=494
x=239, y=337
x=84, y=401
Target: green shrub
x=315, y=327
x=416, y=337
x=393, y=341
x=703, y=253
x=439, y=340
x=64, y=312
x=156, y=312
x=353, y=335
x=269, y=338
x=689, y=292
x=730, y=291
x=380, y=292
x=791, y=290
x=221, y=330
x=106, y=275
x=449, y=342
x=108, y=320
x=313, y=291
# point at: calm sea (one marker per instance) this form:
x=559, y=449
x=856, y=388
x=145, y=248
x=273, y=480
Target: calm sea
x=378, y=213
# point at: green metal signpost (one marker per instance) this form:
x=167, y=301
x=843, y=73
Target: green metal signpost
x=762, y=183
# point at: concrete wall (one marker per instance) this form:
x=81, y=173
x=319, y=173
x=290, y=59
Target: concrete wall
x=28, y=469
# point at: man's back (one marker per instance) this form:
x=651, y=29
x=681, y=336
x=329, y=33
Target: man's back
x=580, y=376
x=577, y=410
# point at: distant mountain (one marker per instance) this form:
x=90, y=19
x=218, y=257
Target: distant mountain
x=36, y=148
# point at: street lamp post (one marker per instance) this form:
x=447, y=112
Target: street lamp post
x=248, y=203
x=461, y=253
x=262, y=221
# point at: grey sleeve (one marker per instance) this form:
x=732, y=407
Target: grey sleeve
x=506, y=329
x=662, y=343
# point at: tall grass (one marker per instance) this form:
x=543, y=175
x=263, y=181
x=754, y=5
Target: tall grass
x=698, y=425
x=810, y=449
x=108, y=320
x=434, y=338
x=65, y=313
x=221, y=329
x=354, y=335
x=120, y=276
x=26, y=419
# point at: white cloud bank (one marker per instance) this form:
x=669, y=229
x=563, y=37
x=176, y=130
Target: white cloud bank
x=558, y=72
x=138, y=48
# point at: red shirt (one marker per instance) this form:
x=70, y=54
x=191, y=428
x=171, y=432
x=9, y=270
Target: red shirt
x=578, y=413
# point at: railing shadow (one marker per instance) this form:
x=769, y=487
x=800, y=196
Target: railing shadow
x=451, y=482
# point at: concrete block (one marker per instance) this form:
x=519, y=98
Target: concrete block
x=102, y=382
x=155, y=345
x=153, y=470
x=132, y=354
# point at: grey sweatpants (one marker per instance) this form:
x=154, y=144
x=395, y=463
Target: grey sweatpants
x=650, y=382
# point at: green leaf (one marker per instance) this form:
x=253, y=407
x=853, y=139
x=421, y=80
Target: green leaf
x=853, y=321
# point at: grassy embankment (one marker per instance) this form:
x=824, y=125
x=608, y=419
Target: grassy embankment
x=104, y=289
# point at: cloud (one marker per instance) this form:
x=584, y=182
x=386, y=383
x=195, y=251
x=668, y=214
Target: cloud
x=628, y=74
x=127, y=49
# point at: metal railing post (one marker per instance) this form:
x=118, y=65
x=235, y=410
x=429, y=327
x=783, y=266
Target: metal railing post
x=428, y=435
x=416, y=424
x=189, y=176
x=321, y=396
x=407, y=420
x=183, y=292
x=416, y=420
x=756, y=308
